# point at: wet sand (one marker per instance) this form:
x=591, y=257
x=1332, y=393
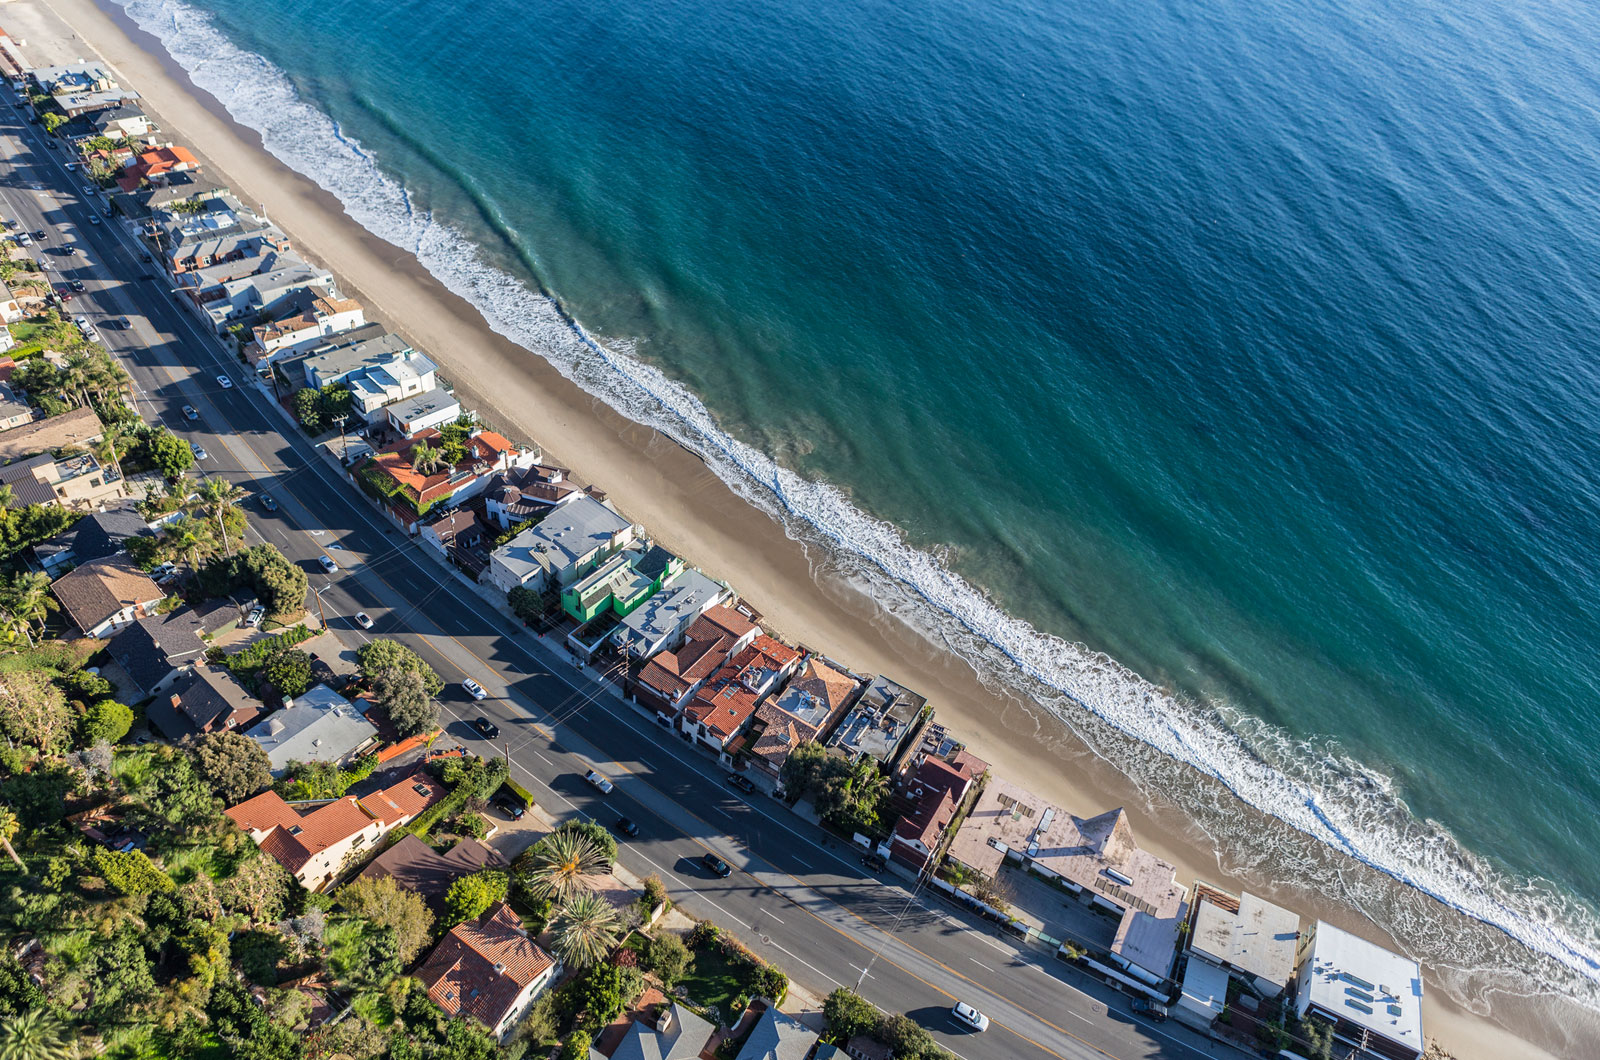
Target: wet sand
x=661, y=485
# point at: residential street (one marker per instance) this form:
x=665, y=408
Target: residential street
x=795, y=898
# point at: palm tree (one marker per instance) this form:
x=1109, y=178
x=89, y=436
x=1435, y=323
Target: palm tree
x=555, y=866
x=75, y=375
x=425, y=458
x=8, y=831
x=586, y=929
x=35, y=1035
x=220, y=495
x=26, y=598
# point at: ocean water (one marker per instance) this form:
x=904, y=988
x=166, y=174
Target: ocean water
x=1221, y=377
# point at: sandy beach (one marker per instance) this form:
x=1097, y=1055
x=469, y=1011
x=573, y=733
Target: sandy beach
x=664, y=487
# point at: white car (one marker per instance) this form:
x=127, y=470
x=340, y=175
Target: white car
x=970, y=1016
x=256, y=615
x=474, y=689
x=24, y=239
x=328, y=564
x=363, y=620
x=224, y=382
x=199, y=452
x=598, y=779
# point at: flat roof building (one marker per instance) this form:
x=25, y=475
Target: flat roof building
x=1370, y=996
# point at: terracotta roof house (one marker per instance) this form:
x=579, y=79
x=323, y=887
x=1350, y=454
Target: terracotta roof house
x=154, y=652
x=104, y=595
x=154, y=165
x=820, y=693
x=727, y=702
x=669, y=679
x=1095, y=856
x=393, y=467
x=313, y=843
x=488, y=969
x=206, y=699
x=71, y=430
x=323, y=317
x=416, y=867
x=934, y=794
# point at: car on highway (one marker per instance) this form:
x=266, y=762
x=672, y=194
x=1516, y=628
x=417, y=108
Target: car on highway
x=94, y=219
x=40, y=234
x=77, y=285
x=626, y=826
x=486, y=728
x=88, y=189
x=716, y=866
x=267, y=502
x=1154, y=1011
x=965, y=1013
x=599, y=781
x=474, y=689
x=224, y=382
x=199, y=451
x=363, y=620
x=328, y=565
x=742, y=783
x=190, y=413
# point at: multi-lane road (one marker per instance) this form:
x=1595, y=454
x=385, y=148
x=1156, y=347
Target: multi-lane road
x=795, y=898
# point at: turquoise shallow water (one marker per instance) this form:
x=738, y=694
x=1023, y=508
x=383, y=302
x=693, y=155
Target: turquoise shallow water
x=1251, y=346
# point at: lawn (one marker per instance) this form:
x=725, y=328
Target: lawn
x=714, y=982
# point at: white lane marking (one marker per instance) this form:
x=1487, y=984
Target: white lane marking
x=980, y=964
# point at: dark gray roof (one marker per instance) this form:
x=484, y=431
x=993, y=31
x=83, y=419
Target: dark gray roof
x=682, y=1040
x=415, y=867
x=778, y=1037
x=151, y=648
x=95, y=536
x=654, y=562
x=203, y=701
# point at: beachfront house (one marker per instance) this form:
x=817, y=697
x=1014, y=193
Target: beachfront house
x=529, y=494
x=431, y=408
x=722, y=708
x=379, y=371
x=283, y=278
x=561, y=549
x=81, y=88
x=412, y=486
x=323, y=318
x=883, y=724
x=1234, y=938
x=1096, y=858
x=122, y=122
x=221, y=230
x=488, y=969
x=931, y=799
x=668, y=680
x=808, y=705
x=319, y=726
x=1370, y=997
x=684, y=594
x=156, y=165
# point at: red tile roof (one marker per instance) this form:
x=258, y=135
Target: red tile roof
x=400, y=802
x=724, y=704
x=395, y=461
x=293, y=837
x=783, y=733
x=481, y=966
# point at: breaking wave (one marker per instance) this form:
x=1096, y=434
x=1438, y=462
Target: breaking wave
x=1311, y=788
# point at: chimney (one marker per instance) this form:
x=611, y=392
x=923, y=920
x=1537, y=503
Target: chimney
x=664, y=1021
x=499, y=969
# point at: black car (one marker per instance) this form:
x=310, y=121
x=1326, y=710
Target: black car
x=268, y=503
x=742, y=783
x=40, y=234
x=77, y=285
x=511, y=809
x=486, y=728
x=626, y=826
x=873, y=862
x=716, y=866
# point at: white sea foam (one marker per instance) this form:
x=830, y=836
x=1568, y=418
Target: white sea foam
x=1311, y=788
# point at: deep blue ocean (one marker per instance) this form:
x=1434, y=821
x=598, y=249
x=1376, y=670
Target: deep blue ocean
x=1250, y=345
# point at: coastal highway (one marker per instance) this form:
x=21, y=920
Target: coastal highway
x=806, y=905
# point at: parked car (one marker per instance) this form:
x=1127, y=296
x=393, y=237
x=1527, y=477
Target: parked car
x=510, y=808
x=738, y=780
x=255, y=617
x=716, y=866
x=626, y=826
x=598, y=779
x=363, y=620
x=328, y=564
x=82, y=324
x=190, y=413
x=63, y=292
x=1152, y=1010
x=873, y=862
x=224, y=382
x=970, y=1016
x=24, y=239
x=474, y=689
x=486, y=728
x=268, y=503
x=163, y=571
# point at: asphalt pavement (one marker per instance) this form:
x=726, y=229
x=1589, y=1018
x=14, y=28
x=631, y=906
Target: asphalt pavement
x=794, y=897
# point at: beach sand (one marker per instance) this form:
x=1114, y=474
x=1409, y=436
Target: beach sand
x=659, y=484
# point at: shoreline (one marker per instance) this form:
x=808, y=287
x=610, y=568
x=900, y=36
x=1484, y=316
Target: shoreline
x=660, y=483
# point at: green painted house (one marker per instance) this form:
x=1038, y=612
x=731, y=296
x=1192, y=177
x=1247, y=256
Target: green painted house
x=621, y=583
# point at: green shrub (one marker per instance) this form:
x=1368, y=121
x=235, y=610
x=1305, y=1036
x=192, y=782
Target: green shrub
x=130, y=871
